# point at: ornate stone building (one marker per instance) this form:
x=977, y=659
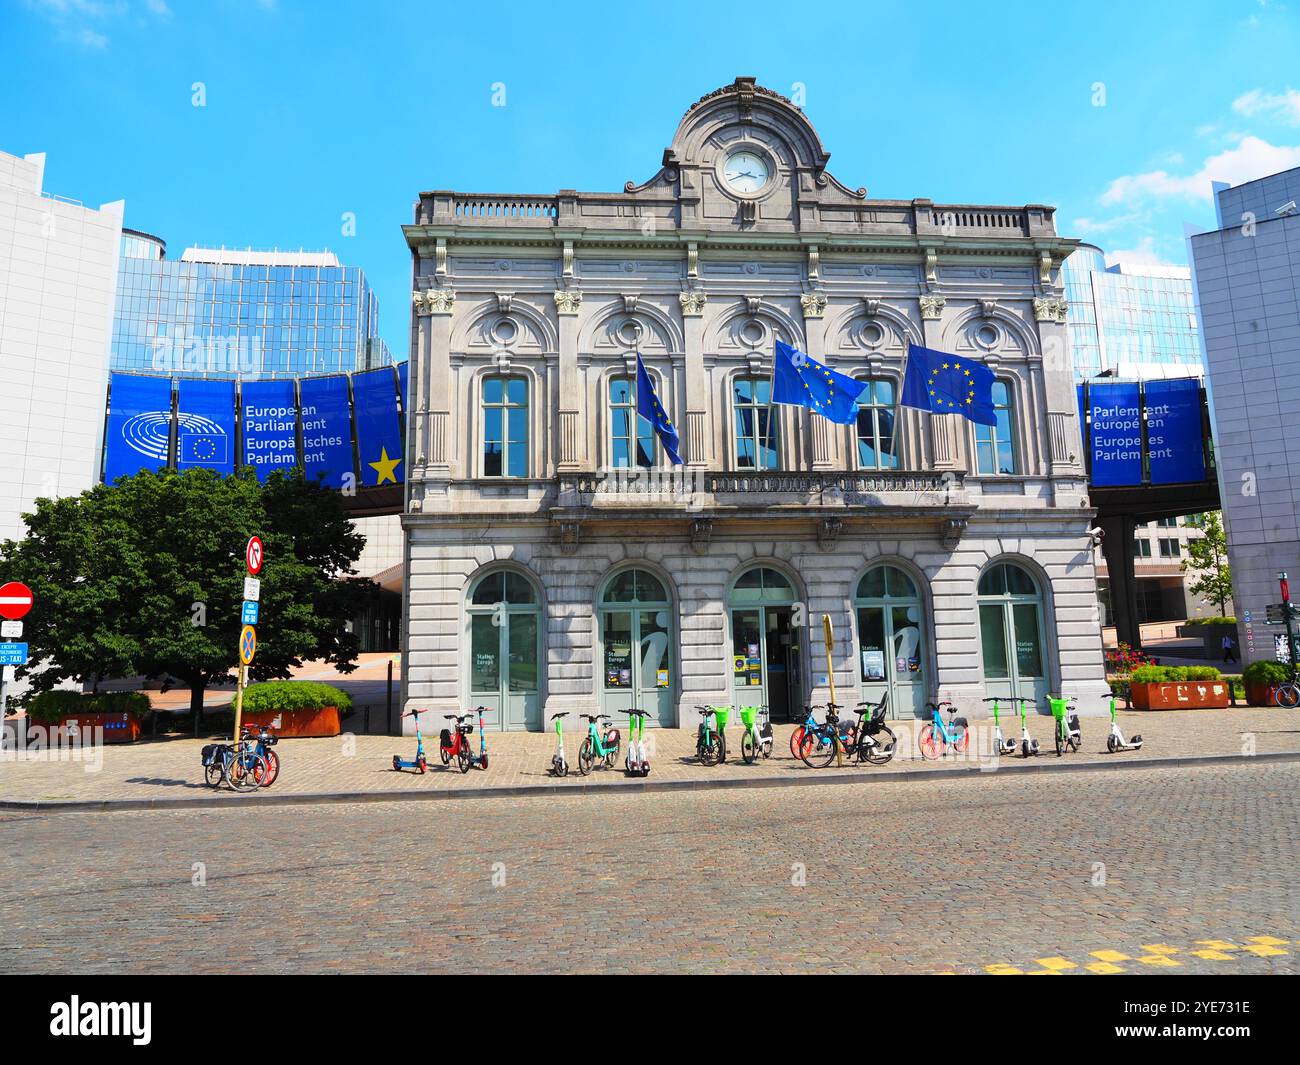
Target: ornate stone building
x=555, y=561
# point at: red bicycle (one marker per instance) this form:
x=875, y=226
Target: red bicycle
x=454, y=742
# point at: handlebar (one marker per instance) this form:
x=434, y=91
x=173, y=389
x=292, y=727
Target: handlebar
x=554, y=716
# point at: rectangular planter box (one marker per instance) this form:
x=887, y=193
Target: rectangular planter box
x=118, y=728
x=322, y=722
x=1258, y=694
x=1181, y=695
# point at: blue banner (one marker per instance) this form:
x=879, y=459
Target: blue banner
x=379, y=435
x=139, y=425
x=403, y=373
x=205, y=425
x=270, y=426
x=326, y=430
x=1175, y=444
x=1116, y=433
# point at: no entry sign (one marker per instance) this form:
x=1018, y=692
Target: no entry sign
x=15, y=600
x=253, y=555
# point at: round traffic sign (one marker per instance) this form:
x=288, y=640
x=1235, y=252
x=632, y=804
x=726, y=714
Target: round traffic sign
x=247, y=644
x=253, y=555
x=15, y=600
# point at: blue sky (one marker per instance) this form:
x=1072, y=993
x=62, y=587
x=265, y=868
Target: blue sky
x=1118, y=113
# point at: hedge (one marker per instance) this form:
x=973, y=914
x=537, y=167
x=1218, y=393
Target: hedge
x=1172, y=674
x=1211, y=621
x=50, y=706
x=273, y=695
x=1266, y=671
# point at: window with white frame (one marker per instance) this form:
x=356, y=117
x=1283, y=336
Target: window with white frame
x=632, y=440
x=995, y=445
x=505, y=426
x=755, y=424
x=874, y=429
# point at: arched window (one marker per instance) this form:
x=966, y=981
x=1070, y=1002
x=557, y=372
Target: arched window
x=755, y=428
x=995, y=445
x=505, y=426
x=891, y=633
x=636, y=646
x=1011, y=632
x=632, y=440
x=876, y=446
x=504, y=621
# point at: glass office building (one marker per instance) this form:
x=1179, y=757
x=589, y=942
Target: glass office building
x=1139, y=322
x=241, y=313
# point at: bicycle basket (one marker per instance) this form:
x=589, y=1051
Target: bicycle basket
x=1058, y=707
x=747, y=715
x=720, y=716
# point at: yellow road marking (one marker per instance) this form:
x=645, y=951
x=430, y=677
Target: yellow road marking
x=1056, y=964
x=1110, y=955
x=1159, y=960
x=1217, y=944
x=1002, y=969
x=1268, y=941
x=1212, y=955
x=1103, y=967
x=1159, y=948
x=1043, y=972
x=1262, y=950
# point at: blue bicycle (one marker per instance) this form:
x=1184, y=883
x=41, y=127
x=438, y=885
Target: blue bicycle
x=937, y=737
x=818, y=744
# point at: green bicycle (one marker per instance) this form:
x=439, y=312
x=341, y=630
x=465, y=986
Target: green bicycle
x=597, y=746
x=756, y=739
x=711, y=741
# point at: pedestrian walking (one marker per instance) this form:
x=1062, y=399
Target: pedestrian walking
x=1229, y=649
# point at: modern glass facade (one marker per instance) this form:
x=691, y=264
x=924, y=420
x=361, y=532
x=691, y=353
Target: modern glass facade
x=1138, y=322
x=221, y=313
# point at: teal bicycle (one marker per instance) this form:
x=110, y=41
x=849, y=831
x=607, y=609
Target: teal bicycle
x=598, y=746
x=757, y=738
x=711, y=741
x=938, y=736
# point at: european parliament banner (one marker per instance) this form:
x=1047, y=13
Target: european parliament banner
x=379, y=436
x=1175, y=449
x=326, y=430
x=139, y=424
x=270, y=418
x=1115, y=409
x=205, y=425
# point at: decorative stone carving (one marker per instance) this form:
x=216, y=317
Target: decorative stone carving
x=440, y=257
x=504, y=300
x=692, y=302
x=932, y=306
x=629, y=304
x=434, y=301
x=1051, y=309
x=568, y=302
x=701, y=534
x=828, y=533
x=814, y=263
x=872, y=305
x=1045, y=267
x=814, y=304
x=987, y=307
x=931, y=265
x=692, y=260
x=953, y=530
x=567, y=266
x=753, y=303
x=569, y=534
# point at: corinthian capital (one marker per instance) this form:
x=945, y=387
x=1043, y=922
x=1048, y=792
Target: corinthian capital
x=692, y=302
x=568, y=302
x=814, y=304
x=932, y=306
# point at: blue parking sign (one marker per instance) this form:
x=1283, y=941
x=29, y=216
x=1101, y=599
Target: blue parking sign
x=249, y=616
x=13, y=654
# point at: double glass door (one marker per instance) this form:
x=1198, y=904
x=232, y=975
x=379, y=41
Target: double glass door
x=637, y=667
x=1011, y=636
x=890, y=660
x=505, y=644
x=766, y=661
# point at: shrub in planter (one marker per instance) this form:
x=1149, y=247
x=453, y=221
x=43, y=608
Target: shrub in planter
x=296, y=707
x=1211, y=621
x=1262, y=678
x=119, y=713
x=1178, y=687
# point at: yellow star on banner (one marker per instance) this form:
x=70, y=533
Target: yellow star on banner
x=386, y=468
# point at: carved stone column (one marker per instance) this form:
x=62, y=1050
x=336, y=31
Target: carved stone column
x=441, y=303
x=945, y=439
x=697, y=418
x=572, y=444
x=824, y=441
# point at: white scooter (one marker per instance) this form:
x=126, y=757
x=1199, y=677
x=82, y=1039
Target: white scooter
x=1028, y=745
x=637, y=762
x=559, y=764
x=1000, y=743
x=1116, y=741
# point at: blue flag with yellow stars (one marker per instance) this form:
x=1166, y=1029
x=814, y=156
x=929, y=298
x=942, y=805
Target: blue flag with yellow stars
x=649, y=407
x=802, y=381
x=948, y=384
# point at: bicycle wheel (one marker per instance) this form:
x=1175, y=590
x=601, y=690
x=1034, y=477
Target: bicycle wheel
x=1288, y=695
x=1060, y=740
x=883, y=749
x=586, y=756
x=463, y=758
x=930, y=743
x=246, y=771
x=212, y=773
x=962, y=741
x=707, y=749
x=818, y=749
x=796, y=741
x=273, y=769
x=722, y=746
x=748, y=748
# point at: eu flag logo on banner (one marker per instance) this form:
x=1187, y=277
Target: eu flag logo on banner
x=947, y=384
x=649, y=407
x=801, y=380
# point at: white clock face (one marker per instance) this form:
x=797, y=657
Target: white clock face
x=745, y=171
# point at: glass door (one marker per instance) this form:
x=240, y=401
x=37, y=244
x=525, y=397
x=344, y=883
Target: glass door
x=636, y=648
x=1011, y=636
x=505, y=652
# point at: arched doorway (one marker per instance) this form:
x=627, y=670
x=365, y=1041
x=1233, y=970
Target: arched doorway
x=1012, y=643
x=636, y=638
x=767, y=665
x=891, y=640
x=505, y=650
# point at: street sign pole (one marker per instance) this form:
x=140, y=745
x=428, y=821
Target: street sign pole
x=828, y=634
x=254, y=555
x=239, y=703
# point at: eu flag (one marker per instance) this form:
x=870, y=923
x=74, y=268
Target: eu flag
x=649, y=407
x=802, y=381
x=948, y=384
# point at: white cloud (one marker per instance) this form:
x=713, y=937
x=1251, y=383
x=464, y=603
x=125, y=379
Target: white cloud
x=1143, y=255
x=86, y=23
x=1097, y=226
x=1284, y=106
x=1252, y=158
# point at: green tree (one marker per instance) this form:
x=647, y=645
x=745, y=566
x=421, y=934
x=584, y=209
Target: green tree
x=1208, y=562
x=145, y=577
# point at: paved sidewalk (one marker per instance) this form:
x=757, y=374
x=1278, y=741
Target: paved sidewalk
x=169, y=770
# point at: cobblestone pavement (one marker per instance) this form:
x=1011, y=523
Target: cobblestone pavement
x=1180, y=870
x=170, y=768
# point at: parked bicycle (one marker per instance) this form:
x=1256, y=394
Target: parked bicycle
x=1068, y=732
x=823, y=743
x=598, y=746
x=454, y=742
x=873, y=740
x=710, y=741
x=263, y=742
x=938, y=736
x=239, y=766
x=757, y=737
x=811, y=730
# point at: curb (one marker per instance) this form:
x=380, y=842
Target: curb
x=641, y=786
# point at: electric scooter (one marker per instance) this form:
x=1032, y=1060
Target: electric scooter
x=1028, y=745
x=1115, y=741
x=417, y=763
x=559, y=764
x=637, y=762
x=480, y=759
x=1000, y=743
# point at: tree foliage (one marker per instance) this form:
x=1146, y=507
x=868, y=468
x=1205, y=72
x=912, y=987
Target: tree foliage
x=1208, y=562
x=145, y=577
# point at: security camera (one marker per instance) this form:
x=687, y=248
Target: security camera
x=1097, y=535
x=1286, y=209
